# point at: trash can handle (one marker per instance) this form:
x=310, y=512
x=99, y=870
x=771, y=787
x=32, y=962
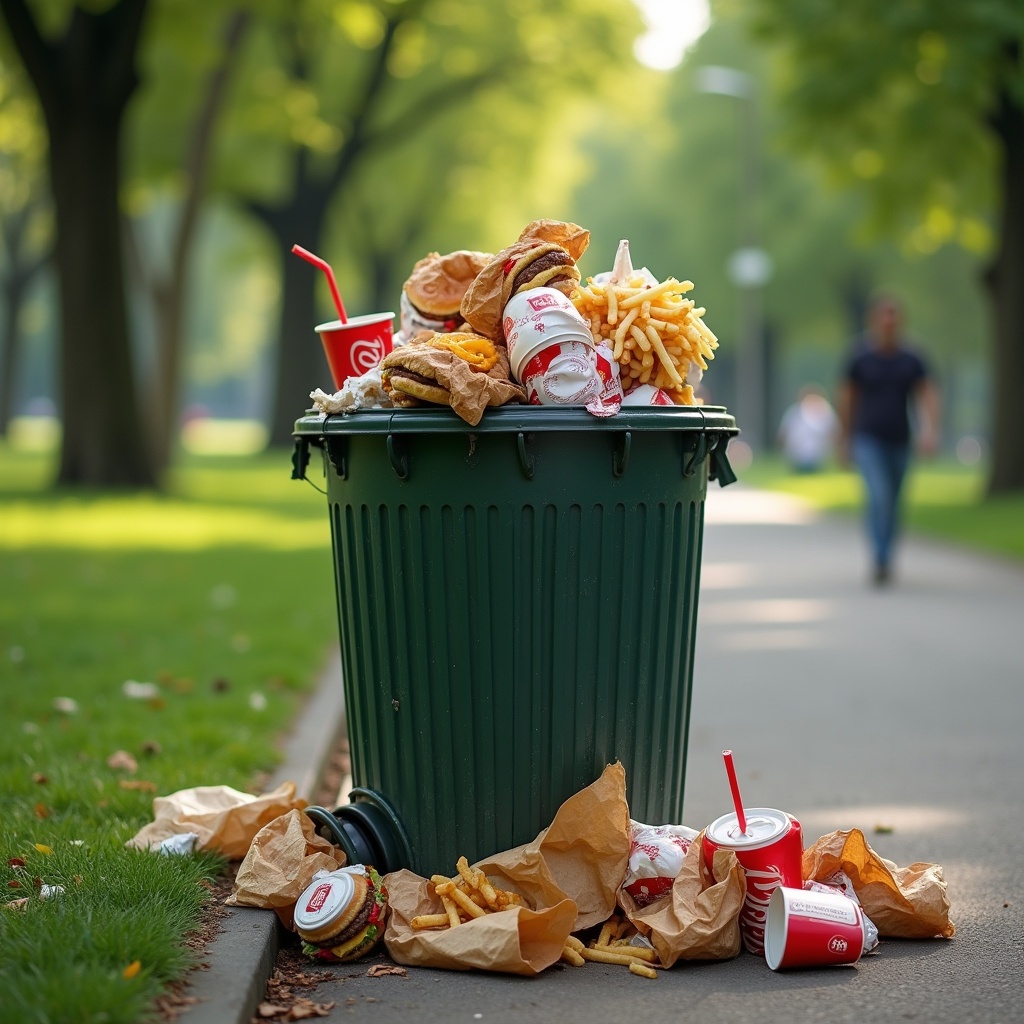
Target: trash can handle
x=399, y=458
x=525, y=462
x=300, y=458
x=620, y=456
x=699, y=455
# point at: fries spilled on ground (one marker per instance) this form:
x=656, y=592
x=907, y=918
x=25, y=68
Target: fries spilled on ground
x=465, y=896
x=654, y=331
x=614, y=945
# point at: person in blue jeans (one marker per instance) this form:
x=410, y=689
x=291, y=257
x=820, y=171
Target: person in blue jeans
x=884, y=379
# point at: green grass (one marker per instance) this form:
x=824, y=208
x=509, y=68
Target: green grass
x=220, y=593
x=944, y=500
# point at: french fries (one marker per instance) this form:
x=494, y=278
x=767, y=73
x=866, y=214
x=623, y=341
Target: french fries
x=654, y=332
x=614, y=945
x=465, y=896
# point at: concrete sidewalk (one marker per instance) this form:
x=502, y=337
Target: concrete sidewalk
x=896, y=709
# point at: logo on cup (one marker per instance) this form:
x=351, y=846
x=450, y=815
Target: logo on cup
x=541, y=301
x=507, y=324
x=837, y=944
x=367, y=354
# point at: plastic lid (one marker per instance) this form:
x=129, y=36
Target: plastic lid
x=325, y=900
x=764, y=826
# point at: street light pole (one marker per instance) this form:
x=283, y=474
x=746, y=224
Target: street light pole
x=749, y=267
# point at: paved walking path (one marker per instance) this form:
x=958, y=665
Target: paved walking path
x=849, y=706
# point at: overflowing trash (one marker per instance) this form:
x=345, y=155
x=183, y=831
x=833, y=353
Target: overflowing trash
x=597, y=886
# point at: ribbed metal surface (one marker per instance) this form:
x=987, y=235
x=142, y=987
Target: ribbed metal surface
x=505, y=638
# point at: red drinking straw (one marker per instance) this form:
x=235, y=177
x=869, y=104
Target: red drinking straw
x=326, y=268
x=737, y=800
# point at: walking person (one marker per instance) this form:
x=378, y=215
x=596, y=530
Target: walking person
x=884, y=379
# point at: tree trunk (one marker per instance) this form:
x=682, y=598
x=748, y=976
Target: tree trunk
x=1005, y=280
x=84, y=82
x=300, y=364
x=169, y=295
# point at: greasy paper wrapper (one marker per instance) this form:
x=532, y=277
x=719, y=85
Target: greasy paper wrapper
x=471, y=390
x=570, y=874
x=695, y=921
x=903, y=903
x=225, y=820
x=280, y=864
x=484, y=301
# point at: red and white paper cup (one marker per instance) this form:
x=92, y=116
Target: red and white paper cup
x=813, y=929
x=538, y=319
x=357, y=346
x=770, y=853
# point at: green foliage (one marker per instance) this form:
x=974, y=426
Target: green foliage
x=216, y=594
x=896, y=98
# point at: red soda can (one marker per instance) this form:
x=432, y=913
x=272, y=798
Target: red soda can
x=770, y=853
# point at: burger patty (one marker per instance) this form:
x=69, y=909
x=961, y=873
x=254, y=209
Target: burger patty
x=550, y=260
x=357, y=925
x=401, y=371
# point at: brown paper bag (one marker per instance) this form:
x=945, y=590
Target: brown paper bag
x=694, y=922
x=280, y=864
x=519, y=941
x=224, y=819
x=903, y=903
x=569, y=875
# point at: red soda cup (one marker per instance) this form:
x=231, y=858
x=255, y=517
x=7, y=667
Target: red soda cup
x=357, y=345
x=770, y=853
x=813, y=929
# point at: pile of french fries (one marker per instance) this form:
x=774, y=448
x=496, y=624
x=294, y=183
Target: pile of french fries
x=614, y=945
x=467, y=895
x=654, y=332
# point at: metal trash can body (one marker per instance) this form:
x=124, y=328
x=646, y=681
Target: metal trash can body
x=517, y=608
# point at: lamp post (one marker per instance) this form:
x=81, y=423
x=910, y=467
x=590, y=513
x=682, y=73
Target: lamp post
x=749, y=266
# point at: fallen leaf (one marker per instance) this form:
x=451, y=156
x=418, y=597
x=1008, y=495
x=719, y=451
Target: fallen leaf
x=132, y=969
x=270, y=1009
x=122, y=760
x=220, y=685
x=883, y=830
x=379, y=970
x=156, y=703
x=16, y=862
x=43, y=848
x=19, y=904
x=303, y=1009
x=151, y=748
x=41, y=811
x=40, y=779
x=146, y=787
x=14, y=884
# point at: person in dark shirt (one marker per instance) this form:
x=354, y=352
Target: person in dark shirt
x=884, y=377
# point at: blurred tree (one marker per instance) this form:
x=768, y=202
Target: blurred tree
x=24, y=221
x=187, y=163
x=338, y=85
x=82, y=64
x=923, y=106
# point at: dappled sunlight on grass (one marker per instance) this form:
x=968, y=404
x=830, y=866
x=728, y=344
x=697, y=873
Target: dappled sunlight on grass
x=145, y=521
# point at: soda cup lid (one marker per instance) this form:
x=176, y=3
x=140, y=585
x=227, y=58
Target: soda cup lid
x=324, y=900
x=764, y=826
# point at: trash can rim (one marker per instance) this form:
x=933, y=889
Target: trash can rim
x=517, y=419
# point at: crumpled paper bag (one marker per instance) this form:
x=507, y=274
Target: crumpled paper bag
x=225, y=819
x=570, y=874
x=471, y=390
x=903, y=903
x=280, y=864
x=694, y=922
x=484, y=302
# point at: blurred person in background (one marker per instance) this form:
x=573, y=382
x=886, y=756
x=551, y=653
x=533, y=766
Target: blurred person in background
x=884, y=380
x=808, y=430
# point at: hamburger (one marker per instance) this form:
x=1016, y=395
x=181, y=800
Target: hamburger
x=544, y=257
x=340, y=916
x=406, y=375
x=433, y=293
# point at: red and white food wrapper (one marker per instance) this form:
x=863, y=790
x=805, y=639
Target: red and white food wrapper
x=573, y=373
x=840, y=883
x=646, y=394
x=655, y=859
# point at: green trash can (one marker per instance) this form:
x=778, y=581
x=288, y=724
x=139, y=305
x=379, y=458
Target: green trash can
x=517, y=605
